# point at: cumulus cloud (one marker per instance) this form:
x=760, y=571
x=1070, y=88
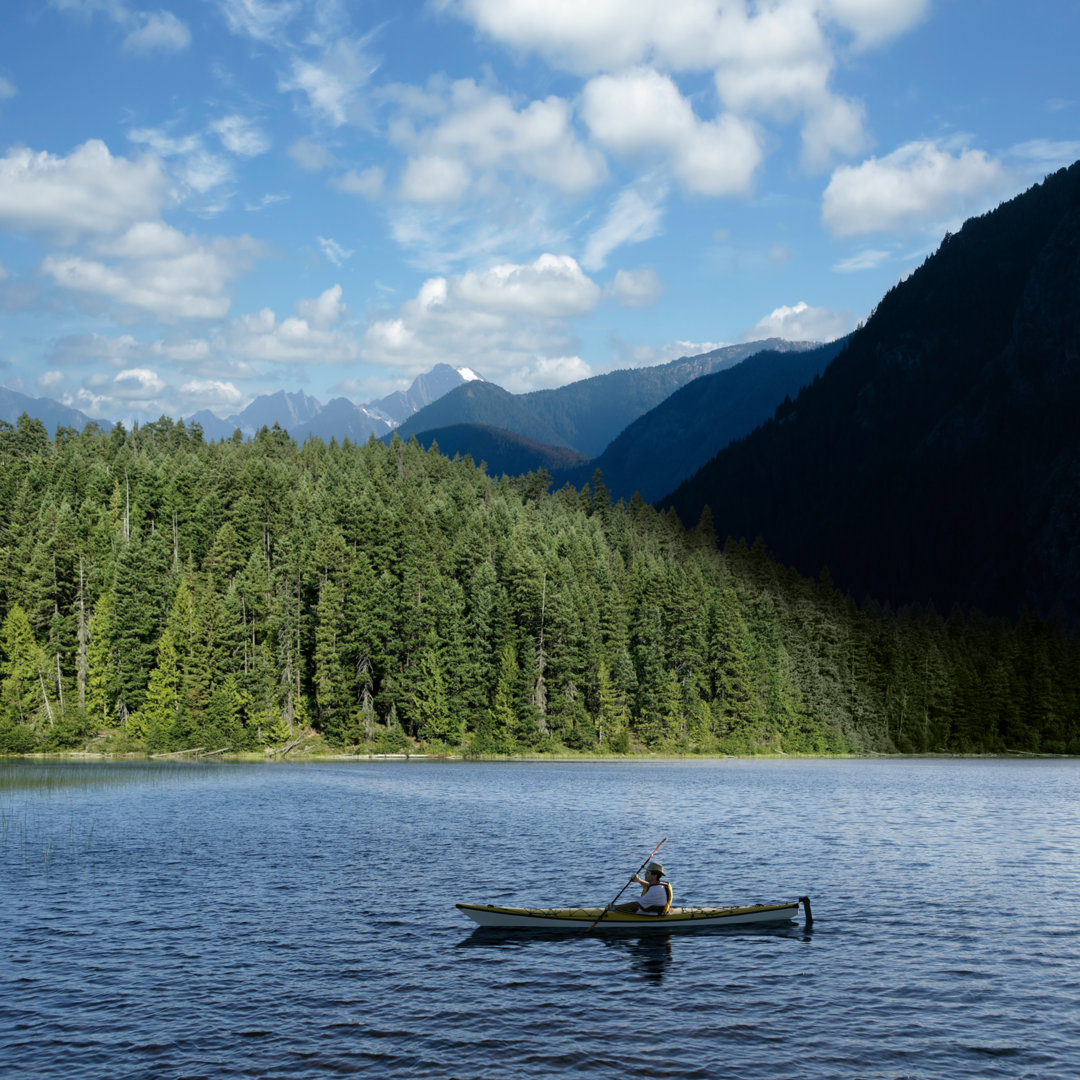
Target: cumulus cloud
x=874, y=21
x=433, y=178
x=637, y=288
x=87, y=192
x=509, y=321
x=309, y=337
x=325, y=310
x=156, y=269
x=919, y=186
x=635, y=216
x=800, y=322
x=157, y=31
x=605, y=35
x=773, y=59
x=642, y=111
x=552, y=287
x=7, y=89
x=137, y=384
x=483, y=133
x=210, y=394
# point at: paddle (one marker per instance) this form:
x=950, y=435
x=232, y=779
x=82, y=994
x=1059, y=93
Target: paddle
x=626, y=886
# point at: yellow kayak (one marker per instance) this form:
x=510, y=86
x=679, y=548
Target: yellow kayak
x=676, y=919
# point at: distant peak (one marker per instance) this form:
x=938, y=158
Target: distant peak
x=469, y=375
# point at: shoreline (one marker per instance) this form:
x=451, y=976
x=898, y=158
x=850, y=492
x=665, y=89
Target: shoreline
x=275, y=758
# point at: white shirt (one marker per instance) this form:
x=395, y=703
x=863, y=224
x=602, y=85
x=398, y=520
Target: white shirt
x=653, y=896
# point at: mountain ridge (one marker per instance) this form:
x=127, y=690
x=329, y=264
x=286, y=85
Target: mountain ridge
x=586, y=415
x=937, y=459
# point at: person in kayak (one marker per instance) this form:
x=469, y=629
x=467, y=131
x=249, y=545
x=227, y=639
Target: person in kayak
x=655, y=898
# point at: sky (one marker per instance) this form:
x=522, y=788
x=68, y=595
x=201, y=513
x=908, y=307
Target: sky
x=209, y=200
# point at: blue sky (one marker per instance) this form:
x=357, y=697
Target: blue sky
x=213, y=199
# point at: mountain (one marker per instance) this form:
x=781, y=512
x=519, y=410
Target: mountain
x=938, y=457
x=342, y=419
x=51, y=413
x=502, y=452
x=306, y=417
x=425, y=389
x=669, y=443
x=586, y=415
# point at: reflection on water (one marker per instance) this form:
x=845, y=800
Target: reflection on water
x=650, y=953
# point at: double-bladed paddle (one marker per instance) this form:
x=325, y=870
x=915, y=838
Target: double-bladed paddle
x=626, y=886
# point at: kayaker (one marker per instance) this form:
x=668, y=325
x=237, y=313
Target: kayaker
x=655, y=898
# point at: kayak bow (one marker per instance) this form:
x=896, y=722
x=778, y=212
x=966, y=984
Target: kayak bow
x=677, y=919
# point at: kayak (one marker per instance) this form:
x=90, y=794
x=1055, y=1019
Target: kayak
x=676, y=919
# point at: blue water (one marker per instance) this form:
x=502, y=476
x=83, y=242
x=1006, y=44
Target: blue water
x=163, y=920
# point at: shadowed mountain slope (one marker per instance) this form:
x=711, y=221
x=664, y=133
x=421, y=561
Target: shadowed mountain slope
x=669, y=443
x=938, y=457
x=502, y=452
x=586, y=415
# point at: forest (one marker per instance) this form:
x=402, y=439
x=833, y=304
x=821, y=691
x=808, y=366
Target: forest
x=159, y=592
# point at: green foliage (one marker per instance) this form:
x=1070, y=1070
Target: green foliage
x=162, y=593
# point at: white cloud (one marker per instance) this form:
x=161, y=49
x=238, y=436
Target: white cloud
x=919, y=186
x=262, y=20
x=157, y=269
x=368, y=184
x=137, y=384
x=552, y=287
x=874, y=21
x=801, y=322
x=487, y=135
x=325, y=310
x=433, y=178
x=333, y=251
x=157, y=31
x=7, y=89
x=774, y=58
x=196, y=170
x=630, y=355
x=241, y=136
x=49, y=382
x=642, y=111
x=87, y=192
x=332, y=83
x=634, y=216
x=637, y=288
x=606, y=35
x=210, y=394
x=306, y=338
x=509, y=321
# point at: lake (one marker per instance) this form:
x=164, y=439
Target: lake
x=297, y=920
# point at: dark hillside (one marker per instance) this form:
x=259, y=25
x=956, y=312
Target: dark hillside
x=938, y=457
x=586, y=415
x=669, y=443
x=502, y=452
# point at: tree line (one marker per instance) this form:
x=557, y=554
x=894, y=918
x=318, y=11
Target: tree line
x=159, y=592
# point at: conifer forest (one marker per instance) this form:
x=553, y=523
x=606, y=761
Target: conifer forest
x=161, y=593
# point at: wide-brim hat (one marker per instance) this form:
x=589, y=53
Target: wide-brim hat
x=655, y=868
